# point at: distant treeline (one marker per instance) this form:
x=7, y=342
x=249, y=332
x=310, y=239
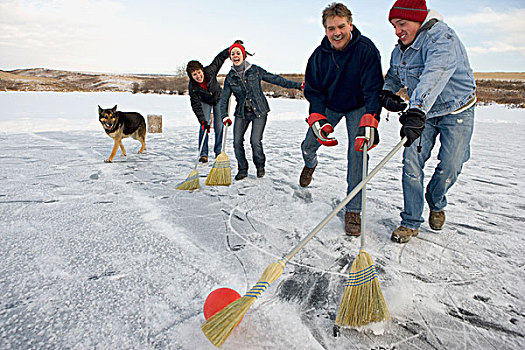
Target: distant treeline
x=491, y=87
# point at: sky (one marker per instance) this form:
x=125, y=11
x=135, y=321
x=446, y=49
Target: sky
x=154, y=36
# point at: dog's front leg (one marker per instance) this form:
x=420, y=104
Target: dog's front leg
x=122, y=149
x=114, y=150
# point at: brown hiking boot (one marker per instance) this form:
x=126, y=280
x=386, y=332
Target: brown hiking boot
x=403, y=234
x=436, y=219
x=353, y=224
x=306, y=176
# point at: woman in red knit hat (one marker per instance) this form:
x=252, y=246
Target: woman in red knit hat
x=244, y=82
x=432, y=63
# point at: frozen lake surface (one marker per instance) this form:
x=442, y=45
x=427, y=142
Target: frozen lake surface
x=97, y=255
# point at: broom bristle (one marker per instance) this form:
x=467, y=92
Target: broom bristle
x=218, y=327
x=221, y=173
x=191, y=182
x=362, y=301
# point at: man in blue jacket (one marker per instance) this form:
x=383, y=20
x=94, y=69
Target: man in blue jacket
x=432, y=63
x=343, y=79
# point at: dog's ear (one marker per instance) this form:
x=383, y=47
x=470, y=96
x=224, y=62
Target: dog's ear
x=114, y=109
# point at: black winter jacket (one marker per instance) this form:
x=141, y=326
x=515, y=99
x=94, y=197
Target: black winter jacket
x=213, y=95
x=344, y=80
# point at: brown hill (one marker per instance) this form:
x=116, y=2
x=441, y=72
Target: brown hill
x=499, y=87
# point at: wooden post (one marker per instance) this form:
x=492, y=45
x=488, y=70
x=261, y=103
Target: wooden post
x=154, y=123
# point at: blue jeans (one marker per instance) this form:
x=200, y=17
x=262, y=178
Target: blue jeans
x=455, y=132
x=217, y=128
x=240, y=126
x=354, y=173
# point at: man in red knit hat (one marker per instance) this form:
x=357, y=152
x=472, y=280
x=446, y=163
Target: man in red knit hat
x=432, y=63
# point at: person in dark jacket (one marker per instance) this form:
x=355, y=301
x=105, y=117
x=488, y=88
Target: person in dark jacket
x=244, y=81
x=343, y=79
x=205, y=93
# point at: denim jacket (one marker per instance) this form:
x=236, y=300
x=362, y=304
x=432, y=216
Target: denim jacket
x=248, y=92
x=434, y=69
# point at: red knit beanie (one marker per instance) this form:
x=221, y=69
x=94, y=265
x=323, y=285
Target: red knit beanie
x=412, y=10
x=240, y=47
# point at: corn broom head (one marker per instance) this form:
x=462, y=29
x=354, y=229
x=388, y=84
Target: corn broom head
x=191, y=182
x=218, y=327
x=221, y=173
x=363, y=300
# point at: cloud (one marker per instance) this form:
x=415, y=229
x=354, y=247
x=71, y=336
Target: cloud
x=66, y=32
x=490, y=31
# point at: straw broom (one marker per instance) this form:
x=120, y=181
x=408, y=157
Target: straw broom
x=219, y=327
x=192, y=181
x=362, y=301
x=221, y=173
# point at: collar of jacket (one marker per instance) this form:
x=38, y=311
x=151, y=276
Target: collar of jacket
x=432, y=18
x=196, y=86
x=234, y=73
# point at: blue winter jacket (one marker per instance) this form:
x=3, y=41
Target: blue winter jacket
x=344, y=80
x=248, y=91
x=435, y=70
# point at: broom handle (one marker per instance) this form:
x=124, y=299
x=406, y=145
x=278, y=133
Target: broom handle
x=204, y=135
x=363, y=194
x=226, y=129
x=224, y=139
x=351, y=195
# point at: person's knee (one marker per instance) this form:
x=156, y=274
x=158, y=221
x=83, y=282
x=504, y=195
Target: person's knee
x=310, y=144
x=412, y=170
x=449, y=171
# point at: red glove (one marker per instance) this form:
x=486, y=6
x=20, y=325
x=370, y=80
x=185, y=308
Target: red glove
x=321, y=128
x=367, y=132
x=205, y=126
x=226, y=121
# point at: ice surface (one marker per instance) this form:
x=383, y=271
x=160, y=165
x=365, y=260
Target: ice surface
x=97, y=255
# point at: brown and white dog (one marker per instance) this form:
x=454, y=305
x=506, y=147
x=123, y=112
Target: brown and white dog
x=119, y=125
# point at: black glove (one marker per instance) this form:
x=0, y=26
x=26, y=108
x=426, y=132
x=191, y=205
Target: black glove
x=205, y=126
x=391, y=101
x=413, y=123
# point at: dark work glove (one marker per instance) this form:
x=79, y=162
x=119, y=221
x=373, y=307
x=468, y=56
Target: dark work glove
x=205, y=126
x=413, y=123
x=391, y=101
